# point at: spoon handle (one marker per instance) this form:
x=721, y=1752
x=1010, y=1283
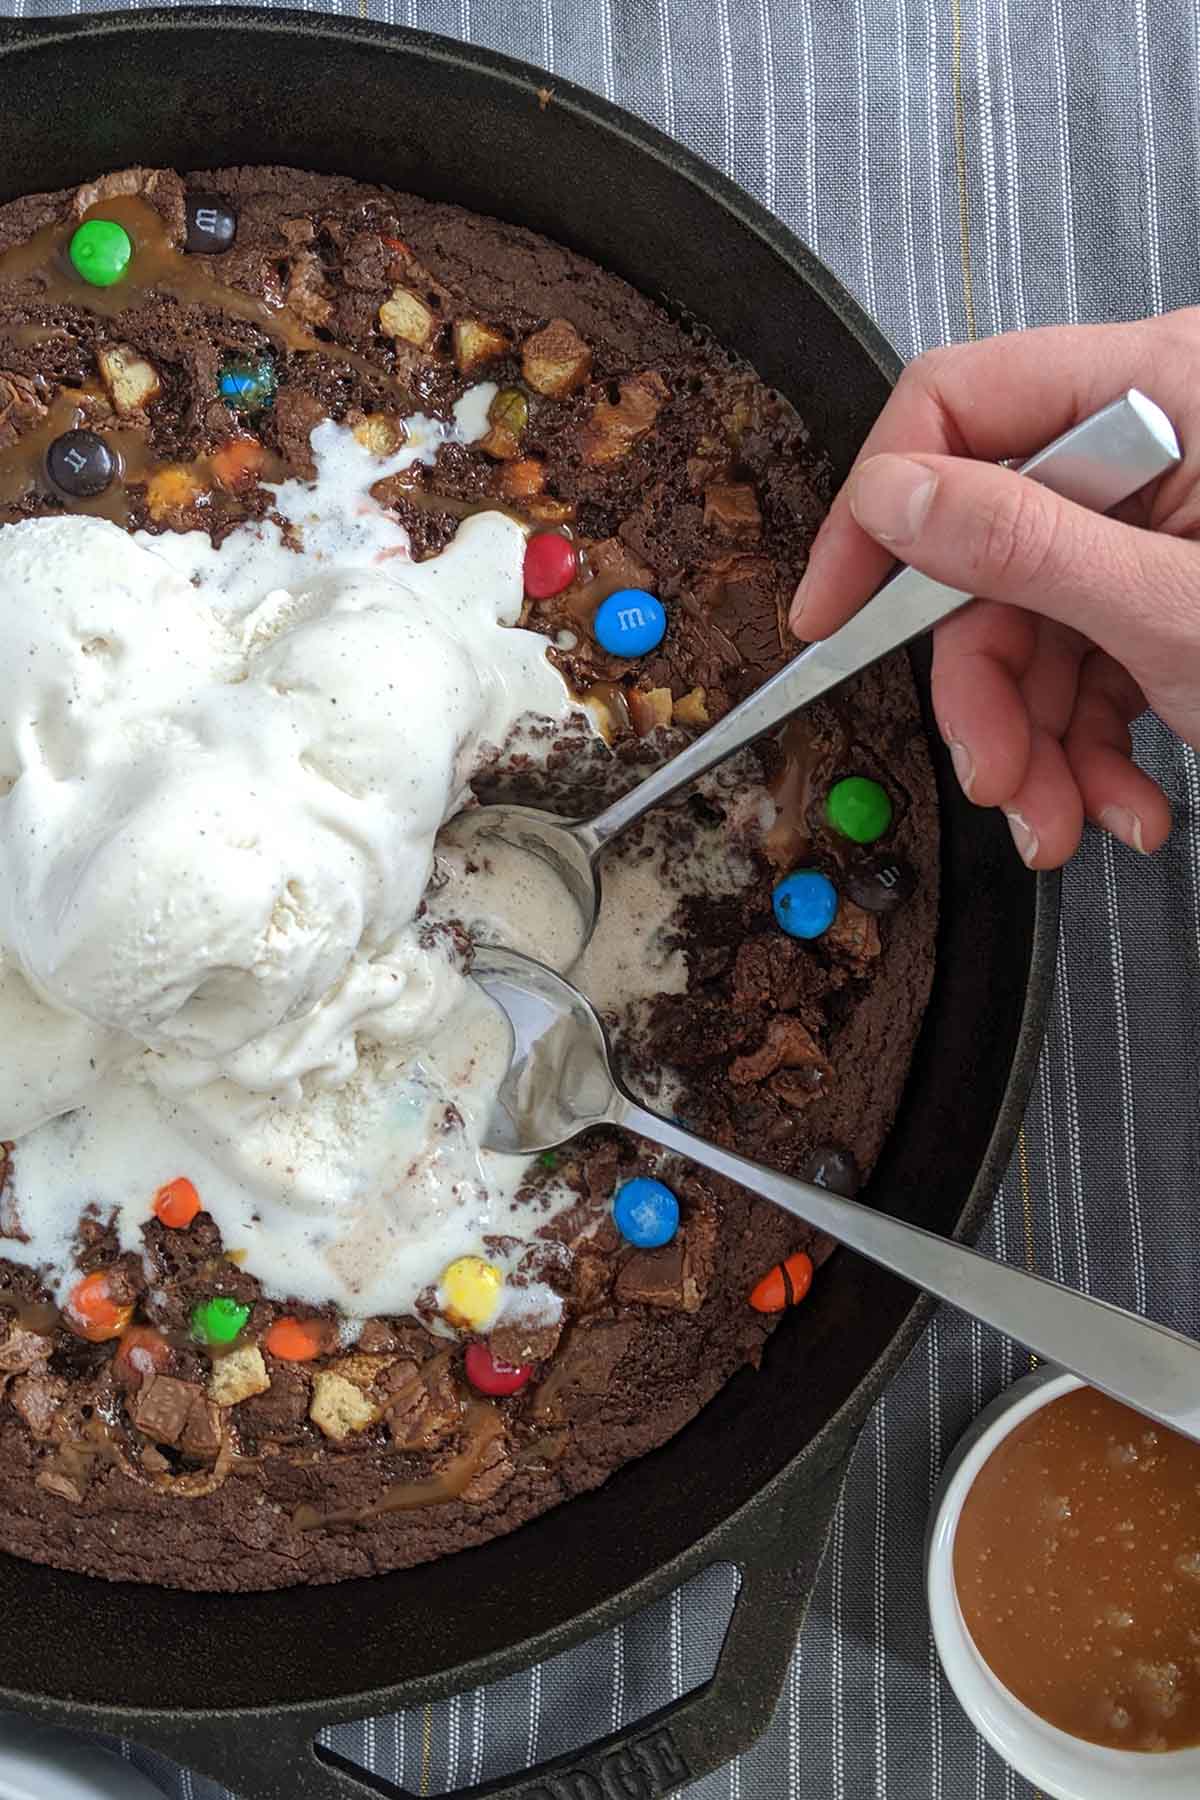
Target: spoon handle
x=1097, y=463
x=1149, y=1367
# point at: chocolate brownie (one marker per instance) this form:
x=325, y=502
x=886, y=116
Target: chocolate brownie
x=260, y=302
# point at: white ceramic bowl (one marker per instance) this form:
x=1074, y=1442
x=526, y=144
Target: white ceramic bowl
x=39, y=1762
x=1064, y=1767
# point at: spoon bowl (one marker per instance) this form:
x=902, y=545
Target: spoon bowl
x=560, y=1080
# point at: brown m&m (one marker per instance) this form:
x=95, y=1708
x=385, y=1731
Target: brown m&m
x=80, y=464
x=832, y=1168
x=211, y=225
x=880, y=884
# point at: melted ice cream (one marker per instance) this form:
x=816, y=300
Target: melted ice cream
x=222, y=776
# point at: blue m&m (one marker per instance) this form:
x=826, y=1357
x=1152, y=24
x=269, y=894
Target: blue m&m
x=646, y=1212
x=805, y=903
x=247, y=384
x=629, y=623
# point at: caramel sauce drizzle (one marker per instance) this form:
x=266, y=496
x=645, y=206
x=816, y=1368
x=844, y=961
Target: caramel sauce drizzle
x=156, y=266
x=792, y=791
x=38, y=1316
x=581, y=604
x=607, y=703
x=23, y=467
x=483, y=1424
x=544, y=1408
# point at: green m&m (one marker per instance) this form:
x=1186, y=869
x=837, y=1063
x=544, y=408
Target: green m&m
x=219, y=1320
x=100, y=251
x=859, y=809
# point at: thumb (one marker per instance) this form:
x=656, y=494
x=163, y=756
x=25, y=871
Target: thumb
x=997, y=534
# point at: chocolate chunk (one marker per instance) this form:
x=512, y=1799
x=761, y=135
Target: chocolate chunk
x=307, y=292
x=700, y=1235
x=853, y=937
x=201, y=1435
x=593, y=1274
x=788, y=1045
x=163, y=1407
x=376, y=1338
x=425, y=1407
x=39, y=1398
x=290, y=425
x=880, y=884
x=22, y=1350
x=21, y=406
x=590, y=1356
x=494, y=1472
x=524, y=1341
x=617, y=424
x=653, y=1277
x=279, y=1416
x=731, y=510
x=55, y=1481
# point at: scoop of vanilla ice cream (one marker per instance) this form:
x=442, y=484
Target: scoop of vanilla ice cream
x=98, y=641
x=219, y=822
x=49, y=1061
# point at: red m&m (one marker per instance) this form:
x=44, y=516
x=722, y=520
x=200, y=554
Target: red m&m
x=491, y=1376
x=551, y=564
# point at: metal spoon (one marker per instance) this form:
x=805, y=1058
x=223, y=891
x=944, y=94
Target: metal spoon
x=1097, y=463
x=560, y=1081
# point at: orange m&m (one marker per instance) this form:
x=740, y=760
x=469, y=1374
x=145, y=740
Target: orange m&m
x=141, y=1352
x=295, y=1340
x=177, y=1203
x=93, y=1313
x=238, y=462
x=784, y=1285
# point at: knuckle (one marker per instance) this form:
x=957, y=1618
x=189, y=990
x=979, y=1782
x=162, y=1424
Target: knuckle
x=929, y=373
x=1014, y=540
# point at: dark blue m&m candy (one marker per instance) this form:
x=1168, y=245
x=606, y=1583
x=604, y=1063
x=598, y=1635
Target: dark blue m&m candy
x=805, y=903
x=629, y=623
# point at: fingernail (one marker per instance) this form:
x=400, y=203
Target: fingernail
x=797, y=608
x=1123, y=824
x=891, y=497
x=964, y=765
x=1023, y=836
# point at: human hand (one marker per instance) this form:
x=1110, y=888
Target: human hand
x=1084, y=620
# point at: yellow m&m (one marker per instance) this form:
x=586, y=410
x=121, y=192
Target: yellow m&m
x=470, y=1292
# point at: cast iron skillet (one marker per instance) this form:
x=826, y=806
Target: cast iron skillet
x=238, y=1685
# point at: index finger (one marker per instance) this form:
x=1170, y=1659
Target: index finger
x=1004, y=397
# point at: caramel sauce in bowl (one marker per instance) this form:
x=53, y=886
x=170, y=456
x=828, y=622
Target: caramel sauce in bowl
x=1041, y=1597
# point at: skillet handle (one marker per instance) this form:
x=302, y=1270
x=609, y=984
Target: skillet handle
x=779, y=1554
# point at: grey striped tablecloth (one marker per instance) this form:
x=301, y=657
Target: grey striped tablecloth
x=967, y=167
